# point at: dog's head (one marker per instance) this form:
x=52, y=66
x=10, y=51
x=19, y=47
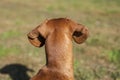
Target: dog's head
x=38, y=35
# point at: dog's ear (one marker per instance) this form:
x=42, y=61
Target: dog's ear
x=36, y=39
x=38, y=35
x=80, y=33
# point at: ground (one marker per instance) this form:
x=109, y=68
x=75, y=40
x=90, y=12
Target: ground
x=96, y=59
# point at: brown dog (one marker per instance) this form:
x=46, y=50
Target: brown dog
x=57, y=36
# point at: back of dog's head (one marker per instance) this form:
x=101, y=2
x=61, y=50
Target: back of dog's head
x=38, y=35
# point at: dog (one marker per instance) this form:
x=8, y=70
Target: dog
x=57, y=35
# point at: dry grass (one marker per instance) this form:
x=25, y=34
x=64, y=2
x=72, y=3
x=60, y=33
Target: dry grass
x=92, y=59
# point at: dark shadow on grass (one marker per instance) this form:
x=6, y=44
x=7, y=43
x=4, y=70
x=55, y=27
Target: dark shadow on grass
x=16, y=71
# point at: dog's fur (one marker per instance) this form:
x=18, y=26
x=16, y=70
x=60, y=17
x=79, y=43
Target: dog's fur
x=57, y=35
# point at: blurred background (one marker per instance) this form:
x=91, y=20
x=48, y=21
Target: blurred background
x=96, y=59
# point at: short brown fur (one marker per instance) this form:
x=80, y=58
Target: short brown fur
x=57, y=35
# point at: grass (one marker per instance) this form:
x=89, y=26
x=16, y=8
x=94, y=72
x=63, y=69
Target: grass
x=114, y=55
x=96, y=59
x=12, y=50
x=9, y=34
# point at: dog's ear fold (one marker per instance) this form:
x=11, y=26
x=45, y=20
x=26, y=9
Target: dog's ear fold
x=36, y=39
x=80, y=33
x=37, y=36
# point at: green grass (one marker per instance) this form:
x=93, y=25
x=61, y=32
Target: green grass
x=10, y=50
x=96, y=59
x=114, y=56
x=10, y=34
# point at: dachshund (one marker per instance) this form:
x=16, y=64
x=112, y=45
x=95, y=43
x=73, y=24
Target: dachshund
x=56, y=35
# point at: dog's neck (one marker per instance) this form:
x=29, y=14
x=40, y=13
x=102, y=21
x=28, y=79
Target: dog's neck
x=59, y=53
